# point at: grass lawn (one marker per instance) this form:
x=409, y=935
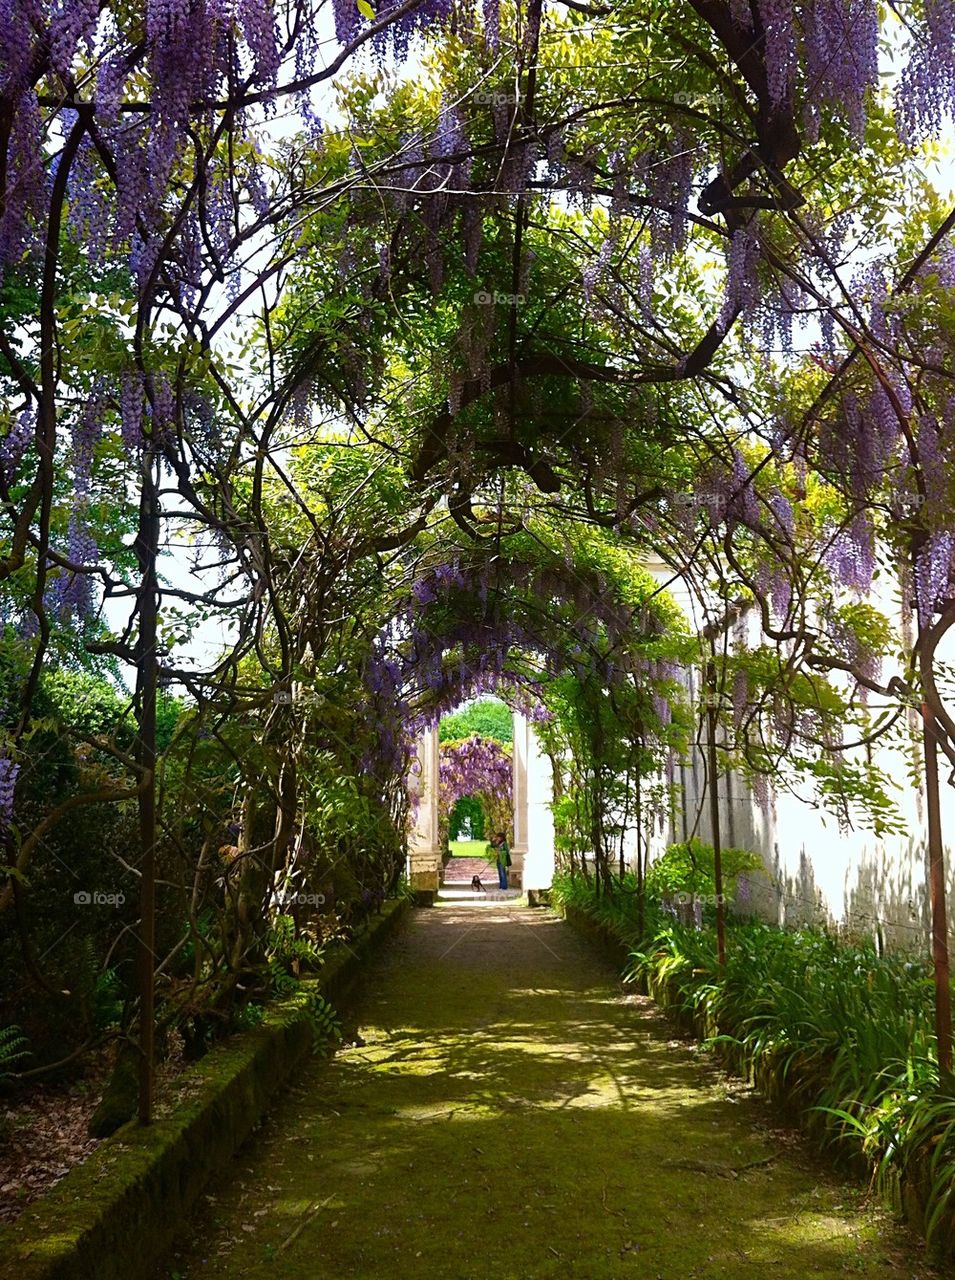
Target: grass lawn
x=468, y=848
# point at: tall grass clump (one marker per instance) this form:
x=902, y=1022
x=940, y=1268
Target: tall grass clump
x=617, y=908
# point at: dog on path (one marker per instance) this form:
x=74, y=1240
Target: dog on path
x=476, y=885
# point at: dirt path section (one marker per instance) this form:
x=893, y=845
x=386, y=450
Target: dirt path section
x=515, y=1112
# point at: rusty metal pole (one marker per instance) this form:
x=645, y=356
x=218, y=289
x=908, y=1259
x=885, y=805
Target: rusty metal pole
x=712, y=718
x=936, y=860
x=641, y=888
x=147, y=550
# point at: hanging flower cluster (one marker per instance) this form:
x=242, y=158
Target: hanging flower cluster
x=8, y=782
x=472, y=626
x=480, y=767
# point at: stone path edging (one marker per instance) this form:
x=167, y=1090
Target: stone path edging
x=118, y=1210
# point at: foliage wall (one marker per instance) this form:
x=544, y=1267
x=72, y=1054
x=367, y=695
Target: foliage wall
x=336, y=389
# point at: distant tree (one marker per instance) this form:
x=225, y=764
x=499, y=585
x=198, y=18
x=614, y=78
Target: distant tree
x=467, y=808
x=488, y=718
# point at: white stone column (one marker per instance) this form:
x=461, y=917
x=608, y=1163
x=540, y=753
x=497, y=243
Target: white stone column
x=424, y=849
x=519, y=797
x=539, y=859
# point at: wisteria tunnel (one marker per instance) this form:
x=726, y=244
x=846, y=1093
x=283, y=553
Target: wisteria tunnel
x=477, y=586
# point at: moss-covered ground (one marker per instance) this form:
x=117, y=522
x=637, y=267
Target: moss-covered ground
x=515, y=1112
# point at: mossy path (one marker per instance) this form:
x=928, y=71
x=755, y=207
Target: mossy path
x=516, y=1112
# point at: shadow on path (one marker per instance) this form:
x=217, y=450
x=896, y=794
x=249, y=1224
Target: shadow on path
x=515, y=1112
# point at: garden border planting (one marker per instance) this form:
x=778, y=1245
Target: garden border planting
x=111, y=1216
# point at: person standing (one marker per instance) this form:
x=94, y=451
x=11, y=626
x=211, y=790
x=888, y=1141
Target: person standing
x=502, y=858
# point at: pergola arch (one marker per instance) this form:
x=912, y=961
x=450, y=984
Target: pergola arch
x=532, y=843
x=507, y=618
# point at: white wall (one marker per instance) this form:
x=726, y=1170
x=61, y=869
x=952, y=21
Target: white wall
x=539, y=860
x=816, y=871
x=813, y=870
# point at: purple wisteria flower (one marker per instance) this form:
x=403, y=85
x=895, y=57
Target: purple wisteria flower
x=779, y=44
x=932, y=571
x=851, y=555
x=25, y=188
x=8, y=781
x=842, y=64
x=15, y=444
x=926, y=89
x=741, y=294
x=131, y=399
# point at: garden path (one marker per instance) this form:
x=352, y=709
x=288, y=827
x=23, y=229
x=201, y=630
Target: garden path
x=460, y=871
x=509, y=1109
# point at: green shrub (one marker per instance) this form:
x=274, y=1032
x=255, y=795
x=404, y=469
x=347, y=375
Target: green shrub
x=835, y=1028
x=618, y=907
x=467, y=807
x=688, y=867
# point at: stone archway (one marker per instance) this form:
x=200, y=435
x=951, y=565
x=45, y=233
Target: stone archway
x=424, y=849
x=532, y=844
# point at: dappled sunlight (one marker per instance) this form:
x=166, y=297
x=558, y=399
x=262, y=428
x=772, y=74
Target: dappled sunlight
x=517, y=1113
x=514, y=436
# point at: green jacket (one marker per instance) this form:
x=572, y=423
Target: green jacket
x=502, y=854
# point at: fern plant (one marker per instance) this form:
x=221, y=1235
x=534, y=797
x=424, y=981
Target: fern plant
x=248, y=1017
x=325, y=1023
x=13, y=1049
x=107, y=999
x=289, y=953
x=403, y=889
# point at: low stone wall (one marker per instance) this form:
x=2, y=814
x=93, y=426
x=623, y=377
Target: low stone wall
x=616, y=948
x=112, y=1216
x=785, y=1089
